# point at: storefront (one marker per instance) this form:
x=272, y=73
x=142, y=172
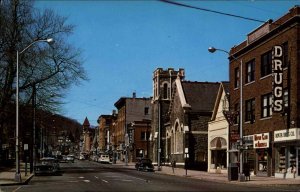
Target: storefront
x=287, y=148
x=263, y=154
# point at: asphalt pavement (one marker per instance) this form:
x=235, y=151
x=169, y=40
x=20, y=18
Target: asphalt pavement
x=7, y=176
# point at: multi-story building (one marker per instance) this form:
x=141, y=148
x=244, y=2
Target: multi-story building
x=162, y=89
x=130, y=109
x=269, y=63
x=105, y=134
x=139, y=139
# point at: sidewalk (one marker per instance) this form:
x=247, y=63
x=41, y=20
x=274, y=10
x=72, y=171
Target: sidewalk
x=7, y=176
x=222, y=177
x=219, y=177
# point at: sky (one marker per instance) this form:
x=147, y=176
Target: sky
x=124, y=42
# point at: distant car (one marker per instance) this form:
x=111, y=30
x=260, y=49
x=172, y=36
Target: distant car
x=47, y=166
x=63, y=159
x=144, y=164
x=104, y=159
x=70, y=158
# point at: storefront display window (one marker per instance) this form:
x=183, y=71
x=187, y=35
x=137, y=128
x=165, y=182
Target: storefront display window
x=281, y=160
x=262, y=160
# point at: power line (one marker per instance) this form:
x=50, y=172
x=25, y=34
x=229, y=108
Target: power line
x=212, y=11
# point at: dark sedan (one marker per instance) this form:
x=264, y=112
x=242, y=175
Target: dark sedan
x=47, y=166
x=144, y=164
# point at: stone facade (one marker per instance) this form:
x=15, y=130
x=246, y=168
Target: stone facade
x=190, y=110
x=162, y=89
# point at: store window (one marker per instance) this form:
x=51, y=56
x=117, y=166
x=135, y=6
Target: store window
x=262, y=160
x=280, y=165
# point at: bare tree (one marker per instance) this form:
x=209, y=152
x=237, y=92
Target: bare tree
x=52, y=69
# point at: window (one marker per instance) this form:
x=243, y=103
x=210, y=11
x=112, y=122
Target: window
x=250, y=71
x=250, y=110
x=145, y=135
x=266, y=107
x=285, y=57
x=146, y=111
x=266, y=64
x=236, y=78
x=165, y=96
x=237, y=109
x=285, y=101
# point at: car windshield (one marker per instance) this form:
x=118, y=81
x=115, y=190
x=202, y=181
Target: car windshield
x=146, y=161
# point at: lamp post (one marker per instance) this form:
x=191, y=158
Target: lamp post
x=17, y=174
x=212, y=50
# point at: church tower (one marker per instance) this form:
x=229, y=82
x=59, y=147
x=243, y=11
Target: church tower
x=162, y=90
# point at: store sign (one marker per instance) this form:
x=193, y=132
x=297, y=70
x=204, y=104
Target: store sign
x=287, y=135
x=261, y=140
x=277, y=79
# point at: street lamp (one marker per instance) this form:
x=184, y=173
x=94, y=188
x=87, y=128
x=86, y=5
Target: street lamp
x=18, y=175
x=212, y=50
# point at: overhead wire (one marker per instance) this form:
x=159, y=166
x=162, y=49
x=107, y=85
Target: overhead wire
x=212, y=11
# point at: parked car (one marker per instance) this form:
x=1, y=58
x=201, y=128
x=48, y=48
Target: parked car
x=47, y=166
x=70, y=158
x=104, y=159
x=144, y=164
x=94, y=158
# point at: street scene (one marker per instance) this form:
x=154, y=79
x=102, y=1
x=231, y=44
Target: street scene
x=162, y=95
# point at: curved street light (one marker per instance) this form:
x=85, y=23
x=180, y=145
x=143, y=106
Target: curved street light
x=18, y=175
x=212, y=50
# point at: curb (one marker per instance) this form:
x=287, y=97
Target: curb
x=19, y=183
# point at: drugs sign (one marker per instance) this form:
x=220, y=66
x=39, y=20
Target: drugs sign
x=277, y=79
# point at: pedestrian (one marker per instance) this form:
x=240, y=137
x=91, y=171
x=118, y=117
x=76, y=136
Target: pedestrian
x=173, y=163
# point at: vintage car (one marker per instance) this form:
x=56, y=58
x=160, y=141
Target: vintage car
x=104, y=158
x=144, y=164
x=47, y=166
x=70, y=158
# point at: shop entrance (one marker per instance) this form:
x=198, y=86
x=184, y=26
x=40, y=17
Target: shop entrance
x=262, y=162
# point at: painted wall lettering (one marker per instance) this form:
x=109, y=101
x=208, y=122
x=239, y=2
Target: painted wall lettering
x=277, y=79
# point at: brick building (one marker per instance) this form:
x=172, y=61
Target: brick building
x=270, y=100
x=190, y=110
x=105, y=135
x=162, y=89
x=139, y=139
x=130, y=109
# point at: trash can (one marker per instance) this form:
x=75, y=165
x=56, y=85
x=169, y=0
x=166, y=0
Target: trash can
x=233, y=172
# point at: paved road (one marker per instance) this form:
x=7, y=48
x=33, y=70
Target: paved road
x=91, y=176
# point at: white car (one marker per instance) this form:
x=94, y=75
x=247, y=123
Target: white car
x=104, y=159
x=70, y=158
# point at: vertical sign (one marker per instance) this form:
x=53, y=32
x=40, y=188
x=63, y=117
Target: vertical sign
x=277, y=79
